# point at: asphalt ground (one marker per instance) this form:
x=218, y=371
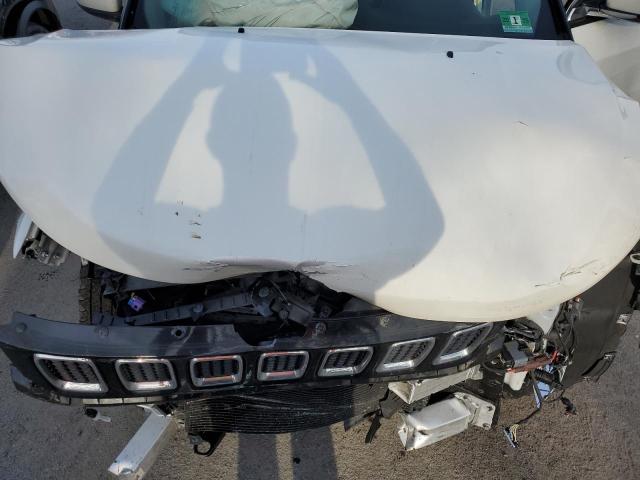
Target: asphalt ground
x=44, y=441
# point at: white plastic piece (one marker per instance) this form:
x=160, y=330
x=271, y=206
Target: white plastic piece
x=476, y=188
x=545, y=318
x=515, y=380
x=444, y=419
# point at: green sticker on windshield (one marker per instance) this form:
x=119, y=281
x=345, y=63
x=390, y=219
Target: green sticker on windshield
x=515, y=22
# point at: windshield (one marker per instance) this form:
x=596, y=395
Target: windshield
x=531, y=19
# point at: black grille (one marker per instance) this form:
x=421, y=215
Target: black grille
x=216, y=368
x=212, y=371
x=282, y=410
x=463, y=343
x=408, y=351
x=282, y=363
x=278, y=366
x=70, y=371
x=145, y=372
x=72, y=374
x=463, y=340
x=346, y=359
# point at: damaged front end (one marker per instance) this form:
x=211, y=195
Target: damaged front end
x=279, y=352
x=278, y=234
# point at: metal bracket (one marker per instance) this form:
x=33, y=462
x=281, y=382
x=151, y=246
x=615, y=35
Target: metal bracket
x=135, y=460
x=32, y=242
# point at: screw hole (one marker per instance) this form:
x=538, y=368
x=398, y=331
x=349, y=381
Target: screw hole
x=177, y=332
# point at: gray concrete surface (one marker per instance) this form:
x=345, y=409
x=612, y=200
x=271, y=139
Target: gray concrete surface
x=42, y=441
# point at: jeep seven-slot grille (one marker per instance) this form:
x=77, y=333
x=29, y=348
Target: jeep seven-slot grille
x=220, y=370
x=463, y=342
x=69, y=373
x=282, y=410
x=146, y=374
x=405, y=355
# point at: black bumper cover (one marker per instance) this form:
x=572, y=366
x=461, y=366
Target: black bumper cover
x=105, y=343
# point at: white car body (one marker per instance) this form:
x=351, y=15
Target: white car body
x=615, y=46
x=486, y=184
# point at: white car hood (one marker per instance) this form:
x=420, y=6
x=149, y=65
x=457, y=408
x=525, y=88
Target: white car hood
x=484, y=184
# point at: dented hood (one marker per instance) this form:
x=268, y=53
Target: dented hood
x=482, y=184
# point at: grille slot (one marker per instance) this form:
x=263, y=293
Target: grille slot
x=280, y=410
x=345, y=361
x=146, y=374
x=282, y=365
x=463, y=342
x=70, y=373
x=219, y=370
x=406, y=355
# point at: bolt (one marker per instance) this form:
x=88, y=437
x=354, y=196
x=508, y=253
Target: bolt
x=264, y=292
x=198, y=308
x=102, y=332
x=319, y=329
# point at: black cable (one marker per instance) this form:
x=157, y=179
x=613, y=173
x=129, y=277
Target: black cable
x=529, y=417
x=568, y=352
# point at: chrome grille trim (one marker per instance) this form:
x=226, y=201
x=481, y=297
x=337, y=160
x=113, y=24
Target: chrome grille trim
x=448, y=356
x=150, y=386
x=284, y=374
x=81, y=387
x=387, y=365
x=343, y=371
x=219, y=380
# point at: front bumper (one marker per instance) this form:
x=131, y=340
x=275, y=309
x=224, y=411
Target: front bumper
x=105, y=344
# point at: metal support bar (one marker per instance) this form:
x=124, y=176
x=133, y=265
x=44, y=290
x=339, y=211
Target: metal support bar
x=135, y=460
